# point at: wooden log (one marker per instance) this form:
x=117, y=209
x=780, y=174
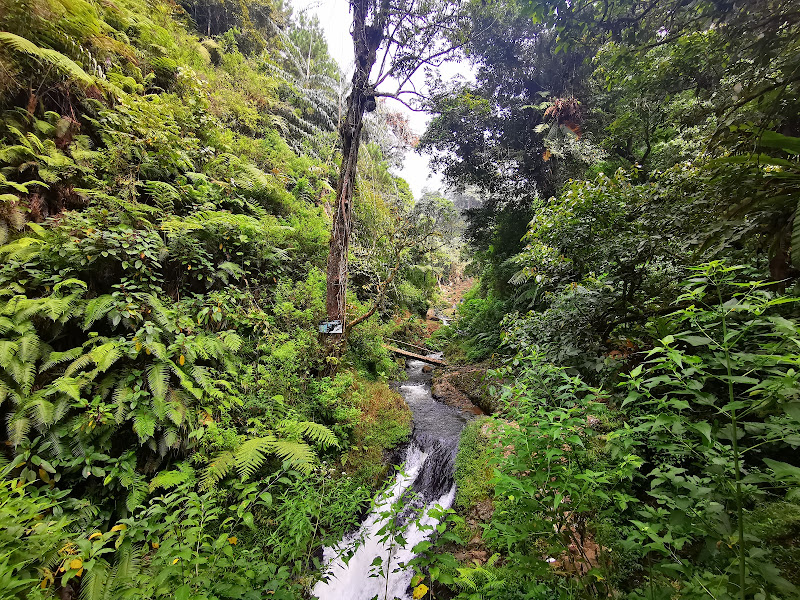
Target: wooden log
x=401, y=342
x=407, y=354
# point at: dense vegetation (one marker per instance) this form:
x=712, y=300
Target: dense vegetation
x=628, y=176
x=164, y=221
x=637, y=252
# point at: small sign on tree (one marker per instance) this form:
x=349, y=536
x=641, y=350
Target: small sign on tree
x=330, y=327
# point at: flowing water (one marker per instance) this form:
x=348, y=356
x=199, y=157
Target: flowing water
x=427, y=472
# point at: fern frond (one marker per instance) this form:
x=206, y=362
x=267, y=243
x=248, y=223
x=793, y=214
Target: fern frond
x=29, y=345
x=165, y=196
x=203, y=378
x=122, y=394
x=252, y=454
x=157, y=349
x=41, y=411
x=93, y=584
x=159, y=313
x=126, y=569
x=177, y=407
x=168, y=480
x=18, y=428
x=70, y=281
x=70, y=386
x=231, y=341
x=105, y=355
x=170, y=440
x=217, y=469
x=185, y=381
x=8, y=352
x=97, y=308
x=6, y=325
x=5, y=392
x=56, y=358
x=230, y=269
x=317, y=433
x=23, y=249
x=144, y=425
x=47, y=56
x=137, y=492
x=158, y=380
x=298, y=454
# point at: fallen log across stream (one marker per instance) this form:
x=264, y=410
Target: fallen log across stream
x=434, y=361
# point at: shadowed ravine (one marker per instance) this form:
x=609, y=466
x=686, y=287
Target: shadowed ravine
x=428, y=473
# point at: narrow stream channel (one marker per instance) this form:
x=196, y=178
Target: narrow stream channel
x=428, y=472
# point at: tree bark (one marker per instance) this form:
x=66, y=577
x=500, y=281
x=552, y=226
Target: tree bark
x=366, y=40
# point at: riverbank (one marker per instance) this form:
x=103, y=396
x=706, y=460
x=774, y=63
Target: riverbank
x=405, y=514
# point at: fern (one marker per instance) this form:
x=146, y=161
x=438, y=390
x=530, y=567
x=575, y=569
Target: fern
x=251, y=455
x=137, y=491
x=168, y=480
x=160, y=314
x=170, y=440
x=480, y=578
x=102, y=356
x=157, y=349
x=203, y=378
x=157, y=380
x=177, y=409
x=52, y=359
x=104, y=582
x=44, y=55
x=97, y=308
x=297, y=454
x=217, y=469
x=186, y=383
x=144, y=425
x=93, y=585
x=165, y=196
x=317, y=433
x=22, y=250
x=70, y=386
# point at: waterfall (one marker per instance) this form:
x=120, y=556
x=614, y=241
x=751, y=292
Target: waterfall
x=424, y=481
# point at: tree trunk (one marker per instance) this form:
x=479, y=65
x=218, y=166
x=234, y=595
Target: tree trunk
x=366, y=40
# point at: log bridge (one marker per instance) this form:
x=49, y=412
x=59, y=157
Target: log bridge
x=407, y=354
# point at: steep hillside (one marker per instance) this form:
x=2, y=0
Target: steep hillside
x=164, y=219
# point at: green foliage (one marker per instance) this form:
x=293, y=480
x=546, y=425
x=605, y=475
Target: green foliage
x=32, y=535
x=476, y=327
x=669, y=485
x=730, y=361
x=473, y=472
x=162, y=246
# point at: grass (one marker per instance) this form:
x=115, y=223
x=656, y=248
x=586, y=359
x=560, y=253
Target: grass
x=473, y=473
x=385, y=422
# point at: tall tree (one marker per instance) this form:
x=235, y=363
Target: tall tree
x=493, y=133
x=393, y=40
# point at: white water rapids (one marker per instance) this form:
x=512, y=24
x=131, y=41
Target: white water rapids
x=425, y=480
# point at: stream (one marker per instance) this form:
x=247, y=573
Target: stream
x=427, y=471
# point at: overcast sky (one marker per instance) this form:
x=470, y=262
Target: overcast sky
x=335, y=18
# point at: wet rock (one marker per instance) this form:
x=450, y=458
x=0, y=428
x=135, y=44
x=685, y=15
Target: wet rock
x=445, y=392
x=427, y=369
x=472, y=383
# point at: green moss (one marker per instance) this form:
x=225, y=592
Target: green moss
x=473, y=472
x=384, y=421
